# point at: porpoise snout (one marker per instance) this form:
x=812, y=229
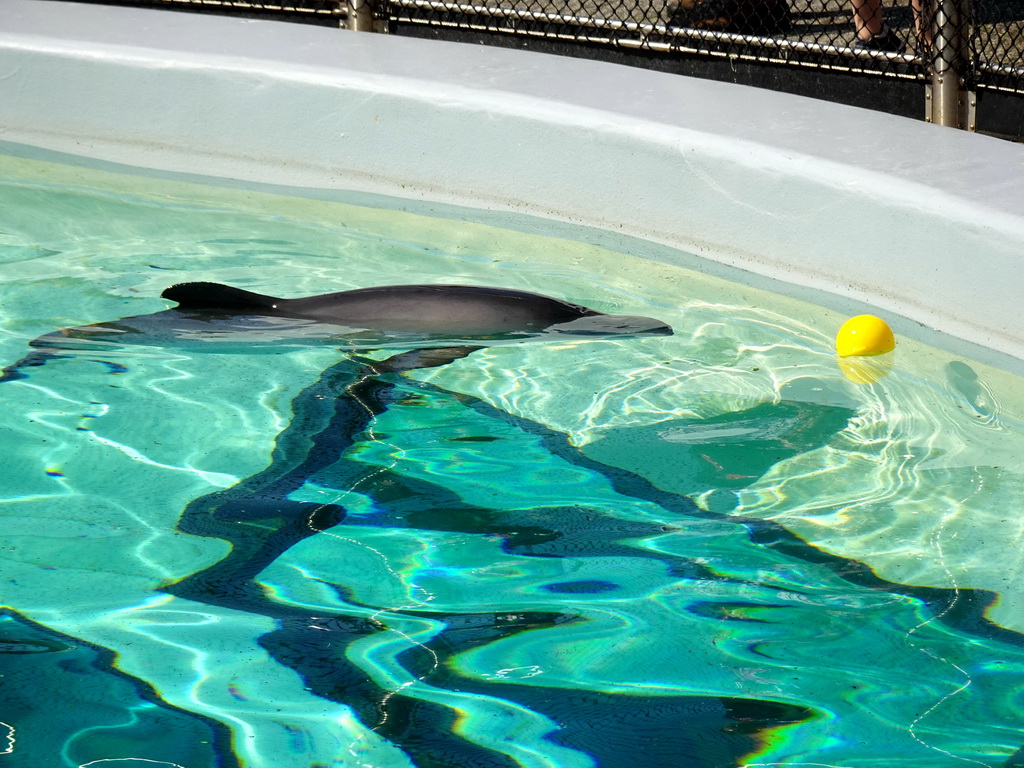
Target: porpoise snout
x=614, y=325
x=644, y=325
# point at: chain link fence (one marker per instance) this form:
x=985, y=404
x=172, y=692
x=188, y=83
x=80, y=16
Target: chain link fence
x=997, y=44
x=952, y=45
x=815, y=33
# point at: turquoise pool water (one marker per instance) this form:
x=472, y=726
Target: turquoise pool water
x=709, y=549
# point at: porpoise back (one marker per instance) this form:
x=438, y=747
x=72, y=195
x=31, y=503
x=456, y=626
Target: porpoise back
x=463, y=310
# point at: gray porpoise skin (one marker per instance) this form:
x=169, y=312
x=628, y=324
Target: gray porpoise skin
x=456, y=310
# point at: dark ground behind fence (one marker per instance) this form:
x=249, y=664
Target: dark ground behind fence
x=888, y=56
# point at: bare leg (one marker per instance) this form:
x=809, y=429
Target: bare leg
x=867, y=18
x=922, y=23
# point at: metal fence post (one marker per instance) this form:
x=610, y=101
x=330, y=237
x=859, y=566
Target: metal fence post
x=359, y=16
x=950, y=102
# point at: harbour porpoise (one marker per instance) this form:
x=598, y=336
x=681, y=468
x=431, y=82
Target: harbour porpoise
x=465, y=311
x=211, y=317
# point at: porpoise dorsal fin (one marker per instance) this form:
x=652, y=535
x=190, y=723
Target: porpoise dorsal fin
x=217, y=296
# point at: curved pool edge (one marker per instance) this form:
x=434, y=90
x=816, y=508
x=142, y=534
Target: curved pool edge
x=916, y=220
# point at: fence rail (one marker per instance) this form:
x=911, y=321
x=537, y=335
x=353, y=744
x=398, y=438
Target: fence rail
x=952, y=47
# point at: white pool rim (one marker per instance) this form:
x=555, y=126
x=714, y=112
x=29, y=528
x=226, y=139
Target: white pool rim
x=880, y=212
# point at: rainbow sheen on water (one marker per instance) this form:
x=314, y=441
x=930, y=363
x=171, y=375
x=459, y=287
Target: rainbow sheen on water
x=709, y=549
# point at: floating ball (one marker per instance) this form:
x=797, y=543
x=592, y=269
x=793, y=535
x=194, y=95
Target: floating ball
x=864, y=335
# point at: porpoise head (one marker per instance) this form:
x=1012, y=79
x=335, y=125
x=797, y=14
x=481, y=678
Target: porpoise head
x=613, y=325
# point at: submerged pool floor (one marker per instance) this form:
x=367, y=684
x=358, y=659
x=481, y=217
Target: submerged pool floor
x=712, y=549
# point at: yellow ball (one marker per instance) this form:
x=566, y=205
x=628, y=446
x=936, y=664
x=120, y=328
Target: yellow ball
x=864, y=335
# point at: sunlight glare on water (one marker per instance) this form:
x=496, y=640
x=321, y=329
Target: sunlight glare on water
x=704, y=549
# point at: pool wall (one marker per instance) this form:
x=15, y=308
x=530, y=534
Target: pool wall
x=909, y=218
